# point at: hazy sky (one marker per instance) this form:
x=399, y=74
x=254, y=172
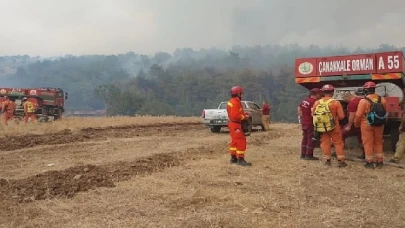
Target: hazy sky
x=58, y=27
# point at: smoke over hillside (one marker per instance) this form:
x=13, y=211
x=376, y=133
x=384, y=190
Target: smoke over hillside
x=49, y=28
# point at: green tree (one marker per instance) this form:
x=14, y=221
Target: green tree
x=110, y=94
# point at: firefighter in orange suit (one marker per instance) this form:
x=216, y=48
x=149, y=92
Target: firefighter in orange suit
x=372, y=136
x=335, y=135
x=7, y=109
x=236, y=115
x=29, y=110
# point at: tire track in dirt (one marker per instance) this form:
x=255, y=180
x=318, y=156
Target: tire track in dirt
x=67, y=183
x=10, y=143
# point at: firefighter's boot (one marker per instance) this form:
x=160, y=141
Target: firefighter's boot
x=311, y=158
x=379, y=165
x=234, y=159
x=242, y=162
x=394, y=160
x=369, y=165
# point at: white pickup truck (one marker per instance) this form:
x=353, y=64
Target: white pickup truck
x=215, y=119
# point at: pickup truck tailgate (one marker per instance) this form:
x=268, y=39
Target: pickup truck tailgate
x=216, y=114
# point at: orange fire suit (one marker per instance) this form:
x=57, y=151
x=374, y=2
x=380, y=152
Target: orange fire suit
x=7, y=108
x=335, y=135
x=372, y=136
x=235, y=116
x=29, y=111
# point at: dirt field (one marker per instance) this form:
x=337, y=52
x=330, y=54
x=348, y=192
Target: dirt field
x=173, y=172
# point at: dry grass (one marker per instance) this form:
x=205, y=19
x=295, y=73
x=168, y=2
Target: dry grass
x=77, y=123
x=279, y=190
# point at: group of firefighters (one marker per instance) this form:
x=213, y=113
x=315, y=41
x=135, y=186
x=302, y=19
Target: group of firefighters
x=358, y=110
x=8, y=108
x=358, y=124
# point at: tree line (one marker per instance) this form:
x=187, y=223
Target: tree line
x=182, y=83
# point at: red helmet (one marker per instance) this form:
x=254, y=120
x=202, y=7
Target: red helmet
x=236, y=90
x=327, y=87
x=369, y=85
x=315, y=90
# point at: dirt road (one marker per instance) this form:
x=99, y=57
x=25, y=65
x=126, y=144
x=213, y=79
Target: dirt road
x=177, y=175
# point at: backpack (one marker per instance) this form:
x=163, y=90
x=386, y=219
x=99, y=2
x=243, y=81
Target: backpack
x=378, y=115
x=30, y=106
x=323, y=119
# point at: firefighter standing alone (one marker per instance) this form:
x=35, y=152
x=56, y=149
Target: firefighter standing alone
x=29, y=110
x=236, y=115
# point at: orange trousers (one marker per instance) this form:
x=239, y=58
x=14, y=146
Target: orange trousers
x=327, y=138
x=238, y=140
x=6, y=116
x=372, y=141
x=30, y=115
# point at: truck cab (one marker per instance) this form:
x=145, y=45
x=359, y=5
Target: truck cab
x=350, y=72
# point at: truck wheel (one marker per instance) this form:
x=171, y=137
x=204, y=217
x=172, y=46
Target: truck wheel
x=43, y=119
x=58, y=116
x=394, y=135
x=215, y=129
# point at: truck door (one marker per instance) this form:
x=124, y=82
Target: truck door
x=257, y=113
x=251, y=109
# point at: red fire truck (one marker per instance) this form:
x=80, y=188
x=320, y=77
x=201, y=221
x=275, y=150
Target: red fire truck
x=49, y=101
x=350, y=72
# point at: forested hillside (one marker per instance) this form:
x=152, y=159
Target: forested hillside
x=181, y=83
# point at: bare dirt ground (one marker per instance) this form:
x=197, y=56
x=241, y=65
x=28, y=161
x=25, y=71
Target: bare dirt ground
x=173, y=172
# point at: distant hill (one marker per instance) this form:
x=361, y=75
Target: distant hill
x=10, y=64
x=182, y=83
